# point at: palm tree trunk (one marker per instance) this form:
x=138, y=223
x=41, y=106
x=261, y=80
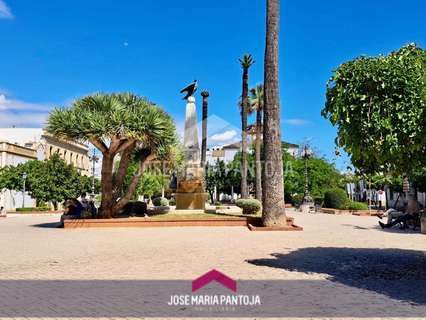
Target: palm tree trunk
x=273, y=184
x=244, y=191
x=205, y=96
x=258, y=155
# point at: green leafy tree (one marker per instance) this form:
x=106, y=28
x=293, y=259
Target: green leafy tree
x=11, y=178
x=215, y=177
x=234, y=172
x=150, y=183
x=322, y=175
x=116, y=124
x=378, y=105
x=51, y=180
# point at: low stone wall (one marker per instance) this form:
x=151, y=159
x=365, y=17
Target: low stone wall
x=353, y=212
x=156, y=222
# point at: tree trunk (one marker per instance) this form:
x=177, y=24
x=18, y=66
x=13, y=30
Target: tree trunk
x=133, y=183
x=205, y=96
x=412, y=205
x=118, y=178
x=244, y=106
x=258, y=155
x=106, y=209
x=273, y=184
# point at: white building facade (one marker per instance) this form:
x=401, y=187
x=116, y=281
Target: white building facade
x=19, y=145
x=13, y=155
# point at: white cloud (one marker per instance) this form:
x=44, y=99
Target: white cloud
x=5, y=12
x=12, y=104
x=30, y=119
x=224, y=136
x=297, y=122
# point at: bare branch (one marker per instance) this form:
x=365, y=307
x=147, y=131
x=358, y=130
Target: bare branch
x=98, y=143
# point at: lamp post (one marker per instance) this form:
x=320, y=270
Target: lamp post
x=307, y=202
x=24, y=177
x=94, y=159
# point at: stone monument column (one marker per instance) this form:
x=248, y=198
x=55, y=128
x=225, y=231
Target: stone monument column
x=190, y=193
x=190, y=138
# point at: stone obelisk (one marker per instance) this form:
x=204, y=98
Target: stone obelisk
x=190, y=195
x=190, y=137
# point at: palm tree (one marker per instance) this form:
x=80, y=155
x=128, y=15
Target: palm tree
x=246, y=62
x=256, y=103
x=116, y=124
x=273, y=183
x=205, y=95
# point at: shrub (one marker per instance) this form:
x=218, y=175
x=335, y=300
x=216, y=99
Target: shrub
x=135, y=208
x=33, y=209
x=318, y=200
x=353, y=205
x=336, y=199
x=297, y=199
x=249, y=206
x=160, y=202
x=172, y=202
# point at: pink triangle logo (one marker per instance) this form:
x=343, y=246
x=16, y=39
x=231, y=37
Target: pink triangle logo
x=214, y=275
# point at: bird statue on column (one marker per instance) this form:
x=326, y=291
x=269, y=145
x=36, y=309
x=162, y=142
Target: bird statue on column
x=190, y=90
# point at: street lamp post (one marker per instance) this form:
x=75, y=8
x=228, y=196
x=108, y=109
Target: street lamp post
x=24, y=177
x=307, y=202
x=94, y=159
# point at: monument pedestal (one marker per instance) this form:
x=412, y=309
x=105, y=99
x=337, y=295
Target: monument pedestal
x=191, y=201
x=190, y=194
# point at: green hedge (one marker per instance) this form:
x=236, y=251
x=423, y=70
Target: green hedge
x=357, y=206
x=32, y=209
x=160, y=202
x=249, y=206
x=336, y=199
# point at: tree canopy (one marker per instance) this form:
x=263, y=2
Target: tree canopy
x=379, y=107
x=322, y=175
x=51, y=180
x=216, y=177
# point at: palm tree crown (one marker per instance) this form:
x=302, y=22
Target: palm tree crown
x=256, y=98
x=247, y=61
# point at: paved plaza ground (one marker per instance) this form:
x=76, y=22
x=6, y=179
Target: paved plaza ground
x=347, y=259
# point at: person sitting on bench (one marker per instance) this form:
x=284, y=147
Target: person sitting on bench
x=403, y=220
x=73, y=210
x=393, y=214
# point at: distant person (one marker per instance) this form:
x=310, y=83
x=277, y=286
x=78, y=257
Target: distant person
x=84, y=202
x=3, y=212
x=381, y=198
x=78, y=207
x=92, y=208
x=403, y=220
x=393, y=214
x=73, y=210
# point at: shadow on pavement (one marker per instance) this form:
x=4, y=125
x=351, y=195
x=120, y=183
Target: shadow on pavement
x=396, y=273
x=47, y=225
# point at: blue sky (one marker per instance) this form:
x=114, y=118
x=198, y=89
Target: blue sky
x=54, y=51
